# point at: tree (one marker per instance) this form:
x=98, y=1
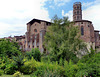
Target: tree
x=9, y=48
x=62, y=39
x=35, y=53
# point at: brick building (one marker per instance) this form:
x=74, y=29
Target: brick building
x=88, y=34
x=36, y=30
x=35, y=34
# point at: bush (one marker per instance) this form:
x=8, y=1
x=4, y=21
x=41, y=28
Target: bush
x=45, y=73
x=19, y=61
x=1, y=72
x=39, y=68
x=29, y=67
x=70, y=69
x=35, y=53
x=17, y=74
x=10, y=69
x=48, y=69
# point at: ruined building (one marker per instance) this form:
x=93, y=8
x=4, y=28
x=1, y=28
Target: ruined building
x=35, y=34
x=36, y=30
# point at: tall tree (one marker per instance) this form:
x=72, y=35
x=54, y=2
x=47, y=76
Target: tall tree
x=9, y=48
x=62, y=39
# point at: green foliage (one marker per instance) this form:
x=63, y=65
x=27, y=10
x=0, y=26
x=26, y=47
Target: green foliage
x=39, y=68
x=62, y=40
x=70, y=69
x=35, y=53
x=46, y=73
x=89, y=65
x=19, y=61
x=1, y=72
x=8, y=48
x=29, y=66
x=7, y=65
x=17, y=74
x=10, y=69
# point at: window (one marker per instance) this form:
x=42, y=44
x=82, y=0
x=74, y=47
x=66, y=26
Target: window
x=35, y=30
x=77, y=12
x=74, y=12
x=77, y=17
x=77, y=7
x=82, y=30
x=74, y=7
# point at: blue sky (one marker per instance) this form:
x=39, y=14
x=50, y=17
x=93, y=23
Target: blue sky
x=14, y=14
x=56, y=6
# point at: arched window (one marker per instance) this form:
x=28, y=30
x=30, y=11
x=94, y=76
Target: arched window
x=77, y=12
x=35, y=30
x=77, y=7
x=77, y=17
x=82, y=30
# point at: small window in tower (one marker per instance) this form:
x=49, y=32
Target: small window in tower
x=82, y=30
x=77, y=7
x=77, y=12
x=77, y=17
x=74, y=12
x=74, y=7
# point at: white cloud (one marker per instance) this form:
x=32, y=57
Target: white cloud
x=91, y=13
x=62, y=12
x=51, y=7
x=69, y=14
x=14, y=14
x=59, y=2
x=87, y=4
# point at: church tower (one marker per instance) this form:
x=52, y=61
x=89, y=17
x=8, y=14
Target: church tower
x=77, y=11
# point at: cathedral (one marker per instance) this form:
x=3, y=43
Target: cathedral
x=36, y=30
x=88, y=34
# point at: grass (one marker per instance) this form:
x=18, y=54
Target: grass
x=12, y=76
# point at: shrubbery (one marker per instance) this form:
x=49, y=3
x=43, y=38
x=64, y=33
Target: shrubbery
x=35, y=53
x=17, y=74
x=1, y=72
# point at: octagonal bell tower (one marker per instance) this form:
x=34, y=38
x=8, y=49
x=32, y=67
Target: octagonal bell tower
x=77, y=11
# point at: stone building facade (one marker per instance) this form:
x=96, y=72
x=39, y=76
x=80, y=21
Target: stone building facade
x=88, y=34
x=36, y=30
x=34, y=37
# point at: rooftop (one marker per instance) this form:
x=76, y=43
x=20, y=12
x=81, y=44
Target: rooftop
x=77, y=3
x=37, y=20
x=83, y=21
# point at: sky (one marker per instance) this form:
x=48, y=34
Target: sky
x=14, y=14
